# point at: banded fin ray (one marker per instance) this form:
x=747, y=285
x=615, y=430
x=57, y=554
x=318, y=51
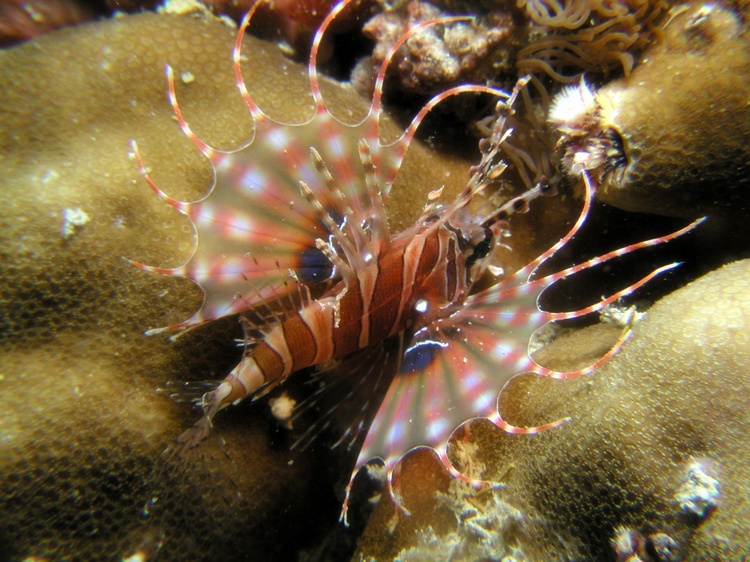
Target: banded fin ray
x=456, y=367
x=255, y=224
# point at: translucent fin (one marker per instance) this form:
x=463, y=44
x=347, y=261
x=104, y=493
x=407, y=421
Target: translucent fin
x=455, y=368
x=349, y=393
x=290, y=187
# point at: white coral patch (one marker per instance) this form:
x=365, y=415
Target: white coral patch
x=700, y=493
x=282, y=409
x=73, y=219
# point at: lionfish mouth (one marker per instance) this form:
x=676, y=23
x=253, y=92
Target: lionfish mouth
x=292, y=237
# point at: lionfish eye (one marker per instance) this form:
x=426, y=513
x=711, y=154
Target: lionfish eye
x=481, y=250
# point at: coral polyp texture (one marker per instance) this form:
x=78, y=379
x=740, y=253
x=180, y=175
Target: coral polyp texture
x=91, y=403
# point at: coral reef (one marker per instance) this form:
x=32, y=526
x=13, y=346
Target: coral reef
x=85, y=396
x=487, y=530
x=654, y=462
x=83, y=422
x=557, y=39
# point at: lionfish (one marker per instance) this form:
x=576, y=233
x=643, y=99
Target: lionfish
x=293, y=238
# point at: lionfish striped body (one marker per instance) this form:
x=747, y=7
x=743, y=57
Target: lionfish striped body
x=293, y=237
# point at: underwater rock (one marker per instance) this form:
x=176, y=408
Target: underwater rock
x=654, y=459
x=437, y=58
x=681, y=120
x=85, y=395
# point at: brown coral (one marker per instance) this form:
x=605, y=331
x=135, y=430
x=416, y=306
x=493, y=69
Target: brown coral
x=682, y=120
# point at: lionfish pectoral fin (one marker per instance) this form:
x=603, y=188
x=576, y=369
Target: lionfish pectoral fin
x=608, y=301
x=496, y=418
x=348, y=392
x=453, y=370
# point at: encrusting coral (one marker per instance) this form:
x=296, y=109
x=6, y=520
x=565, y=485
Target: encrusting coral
x=436, y=58
x=655, y=459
